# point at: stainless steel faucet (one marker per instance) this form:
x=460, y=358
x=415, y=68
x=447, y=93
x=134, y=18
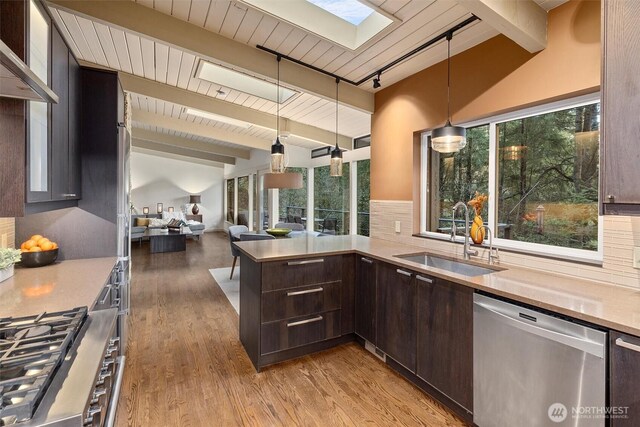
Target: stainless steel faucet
x=467, y=248
x=494, y=256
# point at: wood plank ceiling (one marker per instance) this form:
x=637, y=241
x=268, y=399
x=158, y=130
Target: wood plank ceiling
x=116, y=48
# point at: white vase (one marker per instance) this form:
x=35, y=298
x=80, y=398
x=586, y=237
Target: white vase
x=5, y=273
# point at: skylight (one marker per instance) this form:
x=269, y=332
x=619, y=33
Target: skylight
x=348, y=23
x=351, y=11
x=241, y=82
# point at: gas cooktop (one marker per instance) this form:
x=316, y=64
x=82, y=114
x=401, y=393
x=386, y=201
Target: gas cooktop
x=31, y=350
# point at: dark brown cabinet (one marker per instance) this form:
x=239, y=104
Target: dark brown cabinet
x=624, y=378
x=396, y=314
x=365, y=295
x=620, y=152
x=293, y=307
x=59, y=118
x=445, y=338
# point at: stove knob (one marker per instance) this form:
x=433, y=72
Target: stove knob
x=107, y=363
x=111, y=350
x=97, y=394
x=113, y=341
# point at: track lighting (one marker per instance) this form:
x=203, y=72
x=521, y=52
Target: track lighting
x=376, y=81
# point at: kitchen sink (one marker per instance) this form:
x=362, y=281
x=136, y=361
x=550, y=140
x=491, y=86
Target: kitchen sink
x=453, y=266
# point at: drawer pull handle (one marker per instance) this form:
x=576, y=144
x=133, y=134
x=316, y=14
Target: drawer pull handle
x=367, y=260
x=424, y=279
x=622, y=343
x=304, y=322
x=404, y=273
x=306, y=261
x=308, y=291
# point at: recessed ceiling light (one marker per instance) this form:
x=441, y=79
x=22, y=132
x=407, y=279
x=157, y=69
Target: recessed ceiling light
x=241, y=82
x=351, y=11
x=217, y=118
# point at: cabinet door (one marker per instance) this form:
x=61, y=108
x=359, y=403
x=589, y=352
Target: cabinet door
x=365, y=323
x=74, y=129
x=396, y=314
x=445, y=338
x=620, y=152
x=38, y=113
x=59, y=118
x=624, y=351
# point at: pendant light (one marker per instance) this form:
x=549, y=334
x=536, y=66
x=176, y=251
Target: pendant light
x=449, y=138
x=278, y=177
x=277, y=149
x=335, y=168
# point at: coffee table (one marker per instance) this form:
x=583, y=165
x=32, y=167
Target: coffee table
x=171, y=241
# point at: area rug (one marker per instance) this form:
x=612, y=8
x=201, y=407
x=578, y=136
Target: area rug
x=231, y=288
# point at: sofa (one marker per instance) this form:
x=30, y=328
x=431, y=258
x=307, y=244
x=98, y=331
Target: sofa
x=140, y=223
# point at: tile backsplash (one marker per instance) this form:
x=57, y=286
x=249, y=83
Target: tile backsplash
x=7, y=233
x=621, y=234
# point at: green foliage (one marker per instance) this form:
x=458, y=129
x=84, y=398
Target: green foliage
x=294, y=202
x=8, y=257
x=331, y=196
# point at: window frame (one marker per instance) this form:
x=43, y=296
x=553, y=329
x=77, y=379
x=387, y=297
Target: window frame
x=573, y=254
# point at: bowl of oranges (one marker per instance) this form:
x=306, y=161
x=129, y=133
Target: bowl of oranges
x=38, y=251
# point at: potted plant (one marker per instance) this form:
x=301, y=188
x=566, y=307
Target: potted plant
x=8, y=257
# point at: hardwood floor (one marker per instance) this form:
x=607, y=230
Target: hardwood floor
x=186, y=366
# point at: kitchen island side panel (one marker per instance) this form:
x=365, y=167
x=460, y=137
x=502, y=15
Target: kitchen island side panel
x=250, y=307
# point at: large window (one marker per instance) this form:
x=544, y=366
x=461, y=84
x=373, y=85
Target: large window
x=293, y=202
x=363, y=180
x=539, y=168
x=230, y=201
x=331, y=200
x=243, y=200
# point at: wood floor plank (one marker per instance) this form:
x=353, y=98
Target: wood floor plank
x=187, y=367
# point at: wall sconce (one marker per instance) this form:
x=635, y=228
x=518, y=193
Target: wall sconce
x=170, y=209
x=159, y=208
x=145, y=210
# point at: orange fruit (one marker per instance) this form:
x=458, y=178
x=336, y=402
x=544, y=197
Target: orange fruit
x=23, y=246
x=42, y=239
x=45, y=246
x=29, y=244
x=35, y=249
x=55, y=245
x=36, y=237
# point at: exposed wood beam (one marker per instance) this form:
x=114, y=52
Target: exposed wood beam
x=164, y=92
x=228, y=153
x=200, y=130
x=166, y=29
x=172, y=149
x=197, y=160
x=523, y=21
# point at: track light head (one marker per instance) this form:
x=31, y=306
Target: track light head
x=376, y=81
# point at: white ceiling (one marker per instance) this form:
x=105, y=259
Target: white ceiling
x=122, y=50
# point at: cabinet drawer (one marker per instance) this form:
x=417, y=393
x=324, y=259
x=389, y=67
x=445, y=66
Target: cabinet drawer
x=283, y=304
x=284, y=334
x=296, y=273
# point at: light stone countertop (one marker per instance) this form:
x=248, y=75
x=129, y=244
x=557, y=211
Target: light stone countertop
x=56, y=287
x=607, y=305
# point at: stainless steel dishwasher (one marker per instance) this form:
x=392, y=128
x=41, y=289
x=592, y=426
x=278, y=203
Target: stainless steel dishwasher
x=532, y=369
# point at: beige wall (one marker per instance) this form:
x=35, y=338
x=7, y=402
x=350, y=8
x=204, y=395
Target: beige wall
x=7, y=233
x=493, y=77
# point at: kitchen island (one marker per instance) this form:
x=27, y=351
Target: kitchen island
x=56, y=287
x=299, y=296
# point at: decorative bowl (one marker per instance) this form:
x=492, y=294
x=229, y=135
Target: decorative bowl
x=278, y=231
x=39, y=259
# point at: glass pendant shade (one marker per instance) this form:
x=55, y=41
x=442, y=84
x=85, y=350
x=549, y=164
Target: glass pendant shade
x=277, y=157
x=335, y=166
x=449, y=138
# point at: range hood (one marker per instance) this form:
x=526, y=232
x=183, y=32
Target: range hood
x=18, y=81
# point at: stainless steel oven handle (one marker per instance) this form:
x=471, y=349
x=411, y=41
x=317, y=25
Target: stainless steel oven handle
x=110, y=419
x=306, y=261
x=591, y=347
x=404, y=273
x=308, y=291
x=622, y=343
x=304, y=322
